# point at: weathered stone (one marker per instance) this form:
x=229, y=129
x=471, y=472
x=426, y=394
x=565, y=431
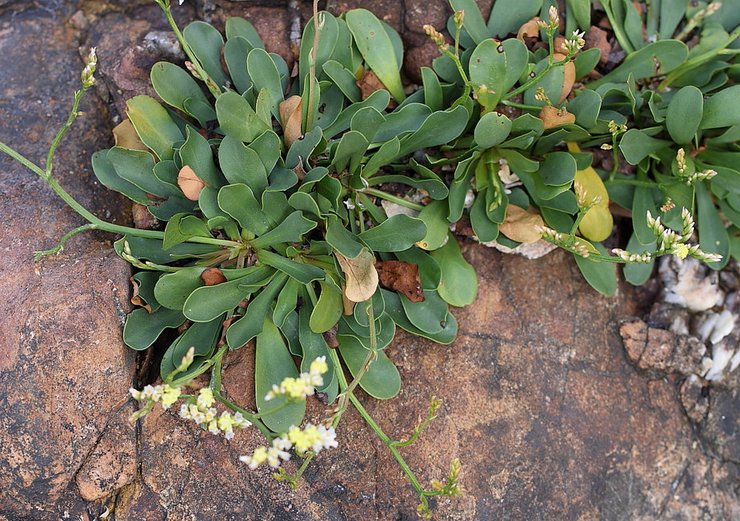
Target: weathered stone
x=661, y=350
x=421, y=12
x=63, y=368
x=417, y=57
x=390, y=11
x=694, y=398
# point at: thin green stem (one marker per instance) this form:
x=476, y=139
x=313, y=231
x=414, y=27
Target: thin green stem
x=393, y=199
x=59, y=247
x=534, y=80
x=633, y=182
x=79, y=94
x=520, y=105
x=247, y=414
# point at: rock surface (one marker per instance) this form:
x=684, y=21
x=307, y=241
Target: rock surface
x=548, y=415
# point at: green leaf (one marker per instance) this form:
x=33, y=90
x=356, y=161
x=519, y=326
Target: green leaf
x=265, y=75
x=237, y=27
x=636, y=145
x=137, y=167
x=434, y=216
x=586, y=106
x=498, y=66
x=237, y=118
x=209, y=302
x=176, y=87
x=143, y=328
x=438, y=129
x=602, y=276
x=313, y=344
x=292, y=229
x=558, y=169
x=196, y=153
x=236, y=51
x=581, y=11
x=684, y=114
x=654, y=59
x=376, y=48
x=507, y=16
x=342, y=239
x=643, y=202
x=671, y=14
x=206, y=42
x=286, y=302
x=349, y=151
x=241, y=164
x=713, y=236
x=239, y=202
x=303, y=273
x=637, y=273
x=154, y=125
x=384, y=155
x=273, y=363
x=492, y=129
x=459, y=284
x=202, y=337
x=173, y=289
x=250, y=325
x=473, y=22
x=722, y=109
x=428, y=315
x=394, y=308
x=344, y=79
x=108, y=177
x=382, y=380
x=329, y=35
x=397, y=233
x=328, y=310
x=182, y=227
x=433, y=97
x=378, y=100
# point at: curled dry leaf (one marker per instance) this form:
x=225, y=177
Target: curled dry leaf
x=360, y=275
x=125, y=136
x=290, y=117
x=569, y=78
x=553, y=116
x=529, y=29
x=136, y=300
x=189, y=182
x=521, y=226
x=212, y=276
x=402, y=277
x=331, y=337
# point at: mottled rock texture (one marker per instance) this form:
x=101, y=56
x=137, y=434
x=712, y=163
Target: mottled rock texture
x=548, y=415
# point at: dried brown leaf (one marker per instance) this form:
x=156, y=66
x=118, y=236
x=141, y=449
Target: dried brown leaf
x=553, y=116
x=136, y=300
x=402, y=277
x=569, y=78
x=290, y=116
x=369, y=83
x=597, y=38
x=189, y=182
x=212, y=276
x=125, y=136
x=360, y=275
x=529, y=29
x=521, y=226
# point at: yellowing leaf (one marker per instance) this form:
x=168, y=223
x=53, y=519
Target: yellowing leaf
x=553, y=116
x=597, y=224
x=360, y=275
x=189, y=182
x=125, y=136
x=530, y=29
x=521, y=226
x=290, y=116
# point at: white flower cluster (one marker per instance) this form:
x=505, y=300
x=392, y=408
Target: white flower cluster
x=88, y=80
x=164, y=394
x=575, y=43
x=312, y=437
x=299, y=388
x=202, y=412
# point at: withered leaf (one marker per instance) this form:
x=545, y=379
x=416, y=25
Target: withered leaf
x=331, y=337
x=125, y=136
x=136, y=300
x=402, y=277
x=530, y=29
x=553, y=116
x=569, y=77
x=189, y=182
x=360, y=275
x=212, y=276
x=521, y=226
x=597, y=38
x=369, y=83
x=290, y=117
